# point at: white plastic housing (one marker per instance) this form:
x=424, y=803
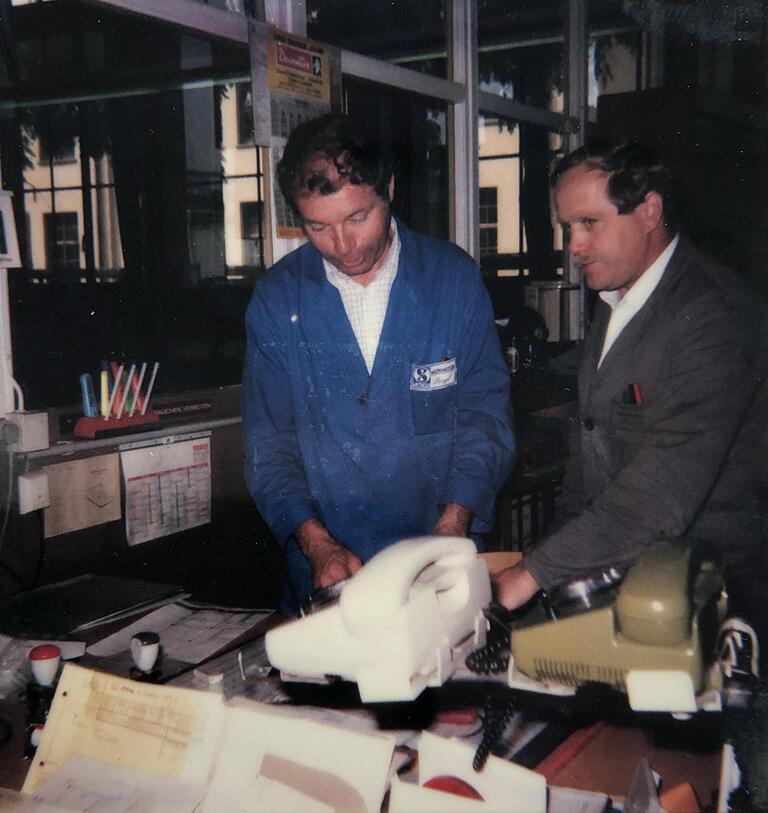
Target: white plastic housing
x=402, y=623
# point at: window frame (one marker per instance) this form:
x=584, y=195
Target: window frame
x=53, y=223
x=488, y=218
x=459, y=91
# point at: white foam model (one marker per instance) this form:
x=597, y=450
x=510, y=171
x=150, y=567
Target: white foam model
x=402, y=623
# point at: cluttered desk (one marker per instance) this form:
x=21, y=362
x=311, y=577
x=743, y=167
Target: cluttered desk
x=402, y=684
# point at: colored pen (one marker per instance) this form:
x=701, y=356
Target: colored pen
x=126, y=390
x=115, y=388
x=149, y=387
x=137, y=399
x=104, y=393
x=106, y=366
x=116, y=381
x=89, y=398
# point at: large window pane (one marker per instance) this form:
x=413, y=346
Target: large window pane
x=406, y=32
x=520, y=50
x=688, y=80
x=619, y=61
x=416, y=130
x=138, y=194
x=515, y=161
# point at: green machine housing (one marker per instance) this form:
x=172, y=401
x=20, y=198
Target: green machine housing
x=665, y=615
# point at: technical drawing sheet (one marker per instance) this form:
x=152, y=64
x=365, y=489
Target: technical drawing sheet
x=156, y=729
x=167, y=488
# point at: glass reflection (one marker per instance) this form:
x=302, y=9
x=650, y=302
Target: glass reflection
x=520, y=50
x=411, y=34
x=139, y=199
x=515, y=161
x=416, y=130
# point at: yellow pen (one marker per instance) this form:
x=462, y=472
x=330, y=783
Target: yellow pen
x=104, y=394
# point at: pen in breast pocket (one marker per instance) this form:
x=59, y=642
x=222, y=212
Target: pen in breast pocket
x=633, y=395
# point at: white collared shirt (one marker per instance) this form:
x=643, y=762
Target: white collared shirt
x=366, y=305
x=623, y=308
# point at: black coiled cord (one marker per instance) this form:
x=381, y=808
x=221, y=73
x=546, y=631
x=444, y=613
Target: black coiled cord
x=494, y=656
x=495, y=715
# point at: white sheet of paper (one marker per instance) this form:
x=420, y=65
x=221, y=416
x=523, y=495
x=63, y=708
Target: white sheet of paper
x=186, y=634
x=83, y=493
x=167, y=488
x=86, y=784
x=253, y=731
x=362, y=720
x=502, y=784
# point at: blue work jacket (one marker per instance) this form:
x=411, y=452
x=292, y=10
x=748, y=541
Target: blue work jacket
x=373, y=457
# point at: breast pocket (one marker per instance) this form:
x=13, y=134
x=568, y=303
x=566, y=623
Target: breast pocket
x=628, y=423
x=434, y=411
x=433, y=397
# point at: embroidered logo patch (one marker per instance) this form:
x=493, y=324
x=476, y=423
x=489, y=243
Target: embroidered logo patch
x=428, y=377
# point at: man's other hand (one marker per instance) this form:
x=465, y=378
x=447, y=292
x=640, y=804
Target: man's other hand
x=454, y=521
x=330, y=562
x=514, y=586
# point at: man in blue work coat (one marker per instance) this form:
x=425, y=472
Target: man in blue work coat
x=375, y=395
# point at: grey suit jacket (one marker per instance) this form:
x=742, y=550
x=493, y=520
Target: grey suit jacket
x=691, y=458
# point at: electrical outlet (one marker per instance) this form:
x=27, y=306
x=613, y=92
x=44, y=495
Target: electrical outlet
x=33, y=491
x=33, y=431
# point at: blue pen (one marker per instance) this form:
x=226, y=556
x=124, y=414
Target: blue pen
x=90, y=409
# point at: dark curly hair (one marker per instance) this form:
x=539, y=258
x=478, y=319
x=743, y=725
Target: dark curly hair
x=343, y=142
x=634, y=172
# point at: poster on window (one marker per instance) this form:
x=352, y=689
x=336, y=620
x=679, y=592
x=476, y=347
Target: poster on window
x=300, y=89
x=300, y=67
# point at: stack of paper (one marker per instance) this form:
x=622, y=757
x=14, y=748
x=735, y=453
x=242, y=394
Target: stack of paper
x=112, y=744
x=186, y=633
x=120, y=746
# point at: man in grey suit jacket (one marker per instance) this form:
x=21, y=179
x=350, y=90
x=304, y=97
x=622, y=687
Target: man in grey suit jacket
x=671, y=394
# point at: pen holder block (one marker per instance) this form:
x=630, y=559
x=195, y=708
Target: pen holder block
x=93, y=427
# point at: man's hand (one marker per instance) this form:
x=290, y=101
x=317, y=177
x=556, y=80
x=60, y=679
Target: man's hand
x=330, y=562
x=514, y=586
x=454, y=521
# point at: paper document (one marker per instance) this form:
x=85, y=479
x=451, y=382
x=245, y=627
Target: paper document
x=243, y=672
x=83, y=493
x=142, y=726
x=185, y=634
x=503, y=785
x=85, y=784
x=167, y=489
x=269, y=794
x=346, y=770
